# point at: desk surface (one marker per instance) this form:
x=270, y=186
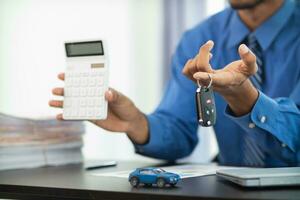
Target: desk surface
x=73, y=182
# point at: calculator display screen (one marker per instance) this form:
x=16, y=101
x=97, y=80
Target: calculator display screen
x=93, y=48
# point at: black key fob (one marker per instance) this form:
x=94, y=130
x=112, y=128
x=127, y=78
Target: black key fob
x=206, y=109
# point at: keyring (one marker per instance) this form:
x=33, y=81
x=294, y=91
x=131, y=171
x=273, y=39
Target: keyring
x=210, y=82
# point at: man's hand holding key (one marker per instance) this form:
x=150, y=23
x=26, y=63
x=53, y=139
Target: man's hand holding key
x=231, y=82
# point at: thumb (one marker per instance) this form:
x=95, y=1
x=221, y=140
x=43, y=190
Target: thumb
x=115, y=97
x=248, y=58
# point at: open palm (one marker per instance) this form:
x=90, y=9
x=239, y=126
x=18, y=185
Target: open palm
x=232, y=75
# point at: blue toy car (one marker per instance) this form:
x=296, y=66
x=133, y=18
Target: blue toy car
x=151, y=175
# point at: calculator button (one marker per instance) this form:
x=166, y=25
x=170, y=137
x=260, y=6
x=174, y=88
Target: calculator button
x=74, y=112
x=82, y=102
x=94, y=91
x=67, y=92
x=67, y=112
x=90, y=92
x=100, y=80
x=83, y=92
x=68, y=82
x=90, y=102
x=68, y=75
x=82, y=112
x=75, y=82
x=90, y=112
x=83, y=82
x=67, y=103
x=76, y=92
x=92, y=82
x=99, y=91
x=93, y=111
x=75, y=74
x=98, y=112
x=98, y=73
x=75, y=103
x=97, y=102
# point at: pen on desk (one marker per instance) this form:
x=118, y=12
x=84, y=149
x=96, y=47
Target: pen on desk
x=101, y=165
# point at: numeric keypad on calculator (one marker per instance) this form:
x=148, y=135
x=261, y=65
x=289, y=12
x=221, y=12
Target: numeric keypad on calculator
x=84, y=95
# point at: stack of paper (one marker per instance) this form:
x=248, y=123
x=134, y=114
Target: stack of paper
x=27, y=143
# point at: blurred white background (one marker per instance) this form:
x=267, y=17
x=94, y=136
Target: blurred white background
x=32, y=33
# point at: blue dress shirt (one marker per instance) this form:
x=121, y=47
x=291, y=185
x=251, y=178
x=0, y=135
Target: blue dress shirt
x=274, y=121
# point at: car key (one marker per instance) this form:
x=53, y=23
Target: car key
x=205, y=104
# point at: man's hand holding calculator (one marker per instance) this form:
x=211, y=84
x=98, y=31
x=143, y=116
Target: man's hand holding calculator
x=123, y=115
x=87, y=96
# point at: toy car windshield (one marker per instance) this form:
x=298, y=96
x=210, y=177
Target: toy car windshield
x=158, y=171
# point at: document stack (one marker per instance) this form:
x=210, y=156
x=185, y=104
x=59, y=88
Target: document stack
x=27, y=143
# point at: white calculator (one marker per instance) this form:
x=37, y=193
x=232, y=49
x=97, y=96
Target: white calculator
x=86, y=80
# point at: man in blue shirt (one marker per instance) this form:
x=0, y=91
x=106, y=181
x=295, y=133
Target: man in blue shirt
x=257, y=97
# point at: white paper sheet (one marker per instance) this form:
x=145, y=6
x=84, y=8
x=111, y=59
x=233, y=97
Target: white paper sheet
x=185, y=171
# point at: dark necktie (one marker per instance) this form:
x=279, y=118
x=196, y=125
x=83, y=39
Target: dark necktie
x=258, y=78
x=253, y=155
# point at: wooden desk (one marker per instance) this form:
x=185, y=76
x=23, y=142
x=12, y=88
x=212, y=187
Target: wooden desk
x=73, y=182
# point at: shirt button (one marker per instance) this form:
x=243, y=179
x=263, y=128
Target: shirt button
x=263, y=119
x=251, y=125
x=283, y=145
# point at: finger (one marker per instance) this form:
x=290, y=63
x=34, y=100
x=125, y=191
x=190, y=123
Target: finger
x=204, y=56
x=61, y=76
x=190, y=68
x=59, y=117
x=56, y=103
x=185, y=68
x=218, y=79
x=58, y=91
x=203, y=78
x=248, y=58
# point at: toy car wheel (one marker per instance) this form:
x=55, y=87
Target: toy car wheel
x=134, y=181
x=173, y=184
x=161, y=183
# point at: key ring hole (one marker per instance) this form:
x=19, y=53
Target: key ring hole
x=209, y=85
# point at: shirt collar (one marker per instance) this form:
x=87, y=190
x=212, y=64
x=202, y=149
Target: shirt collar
x=266, y=32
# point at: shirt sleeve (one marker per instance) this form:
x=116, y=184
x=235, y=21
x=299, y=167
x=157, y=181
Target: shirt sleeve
x=274, y=124
x=173, y=125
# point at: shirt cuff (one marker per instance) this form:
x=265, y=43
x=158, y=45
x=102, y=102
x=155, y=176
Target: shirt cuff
x=155, y=139
x=263, y=117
